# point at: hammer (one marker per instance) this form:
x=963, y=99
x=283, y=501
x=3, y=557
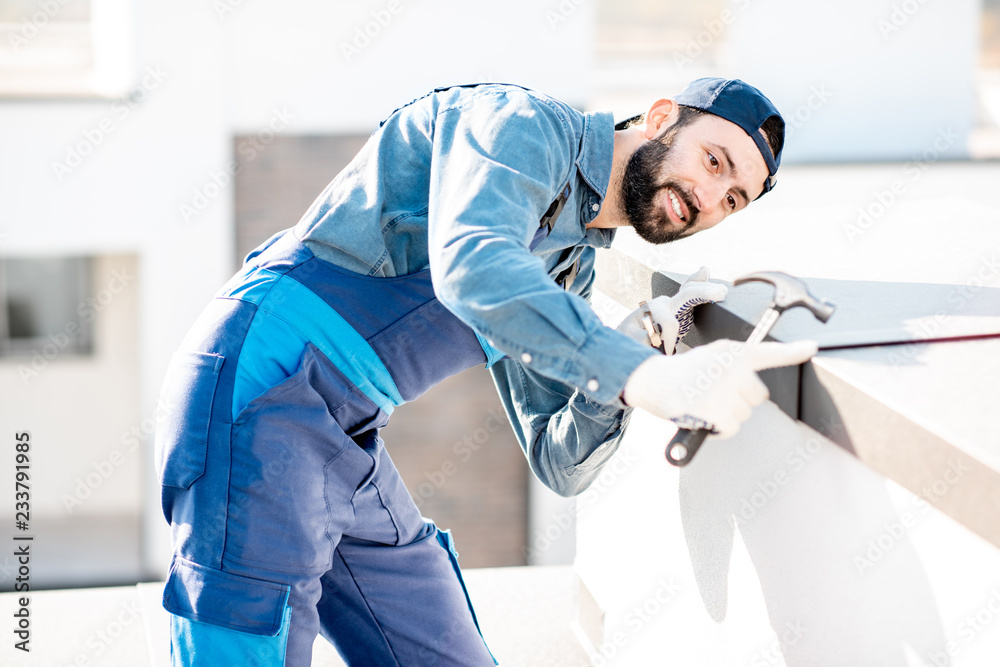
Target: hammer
x=789, y=292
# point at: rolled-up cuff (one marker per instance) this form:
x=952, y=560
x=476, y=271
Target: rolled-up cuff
x=605, y=362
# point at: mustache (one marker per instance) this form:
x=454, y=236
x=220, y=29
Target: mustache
x=640, y=190
x=687, y=199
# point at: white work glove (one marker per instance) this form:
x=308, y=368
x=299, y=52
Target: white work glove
x=674, y=314
x=714, y=385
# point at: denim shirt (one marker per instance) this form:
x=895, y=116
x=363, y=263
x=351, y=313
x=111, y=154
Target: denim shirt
x=457, y=181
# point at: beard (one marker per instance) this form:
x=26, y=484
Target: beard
x=641, y=186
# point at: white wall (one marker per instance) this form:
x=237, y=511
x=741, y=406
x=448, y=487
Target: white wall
x=313, y=58
x=777, y=547
x=80, y=409
x=147, y=176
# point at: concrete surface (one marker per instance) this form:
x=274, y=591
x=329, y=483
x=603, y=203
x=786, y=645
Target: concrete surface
x=525, y=614
x=776, y=547
x=923, y=265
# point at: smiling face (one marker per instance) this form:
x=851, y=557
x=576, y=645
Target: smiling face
x=689, y=176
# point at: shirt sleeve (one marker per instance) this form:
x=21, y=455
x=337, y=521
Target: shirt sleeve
x=498, y=161
x=566, y=436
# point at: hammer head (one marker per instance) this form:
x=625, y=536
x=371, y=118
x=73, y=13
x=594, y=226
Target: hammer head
x=790, y=292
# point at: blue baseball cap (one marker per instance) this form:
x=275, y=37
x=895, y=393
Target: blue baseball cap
x=739, y=103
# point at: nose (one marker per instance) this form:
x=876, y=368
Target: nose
x=710, y=194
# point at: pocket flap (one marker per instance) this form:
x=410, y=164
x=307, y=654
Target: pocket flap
x=229, y=600
x=182, y=437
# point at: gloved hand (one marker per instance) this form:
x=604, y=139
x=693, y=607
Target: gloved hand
x=694, y=291
x=715, y=385
x=674, y=314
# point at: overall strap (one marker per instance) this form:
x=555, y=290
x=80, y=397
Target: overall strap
x=565, y=277
x=555, y=208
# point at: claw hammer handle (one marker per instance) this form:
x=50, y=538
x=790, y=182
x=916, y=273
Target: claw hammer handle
x=685, y=443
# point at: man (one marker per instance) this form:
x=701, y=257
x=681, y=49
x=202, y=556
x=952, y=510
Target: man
x=462, y=233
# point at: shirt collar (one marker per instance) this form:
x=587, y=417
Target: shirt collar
x=598, y=237
x=597, y=150
x=594, y=166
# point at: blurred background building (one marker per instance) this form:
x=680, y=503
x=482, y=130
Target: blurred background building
x=145, y=148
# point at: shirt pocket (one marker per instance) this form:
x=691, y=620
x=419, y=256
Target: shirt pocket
x=182, y=438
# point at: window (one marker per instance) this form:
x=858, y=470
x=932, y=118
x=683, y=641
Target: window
x=44, y=304
x=656, y=27
x=65, y=48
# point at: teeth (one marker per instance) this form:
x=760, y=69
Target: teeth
x=675, y=204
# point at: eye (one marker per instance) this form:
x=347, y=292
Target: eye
x=713, y=161
x=732, y=202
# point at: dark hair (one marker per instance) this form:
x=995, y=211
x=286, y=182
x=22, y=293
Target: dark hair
x=774, y=130
x=773, y=127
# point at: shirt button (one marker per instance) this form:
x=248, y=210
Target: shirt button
x=593, y=384
x=526, y=358
x=595, y=207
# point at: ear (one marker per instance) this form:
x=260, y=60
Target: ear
x=662, y=114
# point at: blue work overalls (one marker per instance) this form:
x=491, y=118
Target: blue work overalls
x=288, y=516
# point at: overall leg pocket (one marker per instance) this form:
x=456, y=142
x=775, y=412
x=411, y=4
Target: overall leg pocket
x=182, y=439
x=221, y=618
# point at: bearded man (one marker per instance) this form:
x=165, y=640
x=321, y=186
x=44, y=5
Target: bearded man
x=463, y=233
